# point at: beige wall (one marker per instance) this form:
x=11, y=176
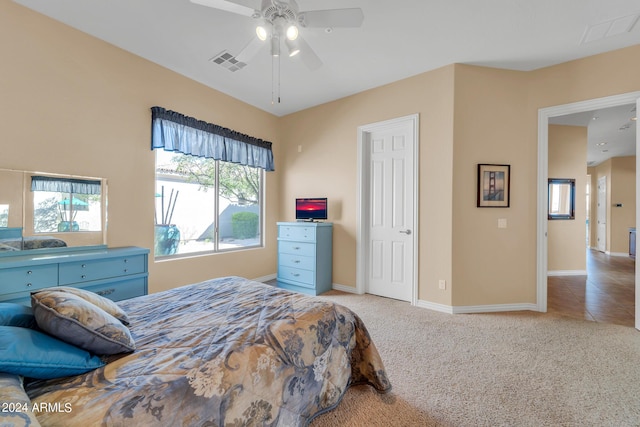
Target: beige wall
x=492, y=265
x=568, y=159
x=621, y=188
x=327, y=166
x=494, y=121
x=623, y=191
x=63, y=91
x=75, y=105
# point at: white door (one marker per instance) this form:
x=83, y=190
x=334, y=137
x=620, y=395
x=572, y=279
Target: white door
x=389, y=151
x=601, y=231
x=637, y=210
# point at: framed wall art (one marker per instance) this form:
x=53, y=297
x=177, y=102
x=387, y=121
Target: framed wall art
x=494, y=188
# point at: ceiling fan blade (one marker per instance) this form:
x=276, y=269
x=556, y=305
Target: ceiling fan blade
x=240, y=7
x=333, y=18
x=307, y=55
x=250, y=50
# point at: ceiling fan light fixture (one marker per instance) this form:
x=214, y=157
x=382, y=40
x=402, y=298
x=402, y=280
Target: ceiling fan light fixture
x=293, y=47
x=292, y=32
x=262, y=32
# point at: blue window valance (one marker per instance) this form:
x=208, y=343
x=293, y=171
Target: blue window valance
x=176, y=132
x=65, y=185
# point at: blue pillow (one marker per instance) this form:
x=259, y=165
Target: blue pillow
x=12, y=314
x=33, y=354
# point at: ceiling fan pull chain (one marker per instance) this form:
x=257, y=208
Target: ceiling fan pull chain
x=278, y=79
x=273, y=80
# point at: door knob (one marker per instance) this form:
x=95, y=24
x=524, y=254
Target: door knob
x=407, y=232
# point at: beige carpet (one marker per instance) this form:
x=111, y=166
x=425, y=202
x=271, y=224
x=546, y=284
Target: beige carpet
x=507, y=369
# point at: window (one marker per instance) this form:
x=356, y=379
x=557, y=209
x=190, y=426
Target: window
x=66, y=205
x=4, y=215
x=562, y=198
x=205, y=205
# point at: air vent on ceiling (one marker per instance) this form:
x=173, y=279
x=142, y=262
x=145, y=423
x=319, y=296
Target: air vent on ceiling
x=228, y=61
x=613, y=27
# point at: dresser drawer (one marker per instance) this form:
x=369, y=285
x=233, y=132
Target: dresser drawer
x=302, y=277
x=28, y=278
x=118, y=291
x=85, y=271
x=297, y=233
x=296, y=248
x=297, y=261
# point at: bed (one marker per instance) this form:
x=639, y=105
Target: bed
x=224, y=352
x=34, y=242
x=11, y=239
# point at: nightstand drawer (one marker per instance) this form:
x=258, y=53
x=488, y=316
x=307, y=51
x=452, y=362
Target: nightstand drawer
x=28, y=278
x=117, y=291
x=79, y=272
x=303, y=277
x=297, y=233
x=297, y=261
x=297, y=248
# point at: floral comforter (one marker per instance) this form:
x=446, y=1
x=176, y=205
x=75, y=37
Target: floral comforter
x=224, y=352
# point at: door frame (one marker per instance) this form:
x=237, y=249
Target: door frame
x=606, y=218
x=362, y=200
x=543, y=174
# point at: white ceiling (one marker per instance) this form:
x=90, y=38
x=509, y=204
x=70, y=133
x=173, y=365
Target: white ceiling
x=611, y=132
x=397, y=39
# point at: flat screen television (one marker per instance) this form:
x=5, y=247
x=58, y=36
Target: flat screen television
x=311, y=209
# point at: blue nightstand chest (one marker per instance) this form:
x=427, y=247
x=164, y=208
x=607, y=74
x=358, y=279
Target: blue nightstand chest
x=305, y=256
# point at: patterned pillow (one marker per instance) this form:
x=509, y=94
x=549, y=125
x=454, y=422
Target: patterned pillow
x=35, y=354
x=79, y=322
x=104, y=303
x=17, y=408
x=12, y=314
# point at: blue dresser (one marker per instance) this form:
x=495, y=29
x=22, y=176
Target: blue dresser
x=115, y=273
x=305, y=256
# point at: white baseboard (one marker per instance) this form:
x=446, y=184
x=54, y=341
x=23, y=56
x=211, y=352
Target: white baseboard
x=265, y=278
x=435, y=306
x=618, y=254
x=495, y=308
x=344, y=288
x=476, y=308
x=567, y=273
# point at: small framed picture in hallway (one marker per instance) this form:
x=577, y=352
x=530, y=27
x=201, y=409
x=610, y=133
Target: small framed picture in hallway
x=493, y=186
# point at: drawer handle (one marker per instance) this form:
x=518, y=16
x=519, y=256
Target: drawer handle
x=126, y=260
x=296, y=261
x=296, y=248
x=84, y=265
x=29, y=272
x=29, y=285
x=296, y=274
x=106, y=292
x=83, y=276
x=126, y=270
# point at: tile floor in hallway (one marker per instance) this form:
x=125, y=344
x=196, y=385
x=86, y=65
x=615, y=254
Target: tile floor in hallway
x=606, y=294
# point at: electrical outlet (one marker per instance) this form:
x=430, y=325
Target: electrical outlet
x=502, y=222
x=442, y=284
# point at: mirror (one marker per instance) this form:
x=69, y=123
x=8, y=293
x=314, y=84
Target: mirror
x=47, y=210
x=562, y=198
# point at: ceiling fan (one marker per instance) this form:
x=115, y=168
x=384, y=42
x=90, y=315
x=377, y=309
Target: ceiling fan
x=281, y=20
